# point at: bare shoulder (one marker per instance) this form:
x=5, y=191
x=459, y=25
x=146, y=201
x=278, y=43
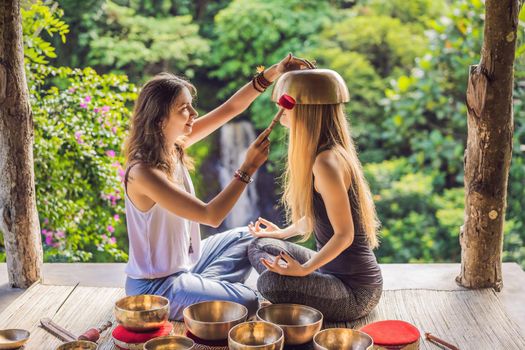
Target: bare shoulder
x=143, y=172
x=327, y=165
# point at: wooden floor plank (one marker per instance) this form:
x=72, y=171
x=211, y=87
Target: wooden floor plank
x=470, y=319
x=37, y=301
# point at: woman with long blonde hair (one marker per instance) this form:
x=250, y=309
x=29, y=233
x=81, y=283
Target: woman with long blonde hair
x=166, y=254
x=325, y=194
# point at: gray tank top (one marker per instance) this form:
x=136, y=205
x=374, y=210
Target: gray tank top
x=356, y=266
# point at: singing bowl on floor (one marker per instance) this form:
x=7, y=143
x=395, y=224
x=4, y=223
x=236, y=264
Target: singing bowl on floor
x=257, y=335
x=78, y=345
x=142, y=313
x=174, y=342
x=298, y=322
x=13, y=338
x=342, y=339
x=212, y=320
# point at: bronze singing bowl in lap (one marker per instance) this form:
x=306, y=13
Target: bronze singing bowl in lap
x=257, y=335
x=78, y=345
x=142, y=313
x=342, y=339
x=299, y=322
x=174, y=342
x=13, y=338
x=212, y=320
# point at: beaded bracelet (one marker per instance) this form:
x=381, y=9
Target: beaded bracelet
x=242, y=176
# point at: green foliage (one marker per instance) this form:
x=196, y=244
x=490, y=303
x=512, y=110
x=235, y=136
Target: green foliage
x=144, y=45
x=419, y=223
x=414, y=11
x=80, y=119
x=37, y=17
x=388, y=44
x=80, y=122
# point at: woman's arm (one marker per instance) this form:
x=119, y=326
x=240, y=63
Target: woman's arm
x=155, y=185
x=241, y=100
x=329, y=181
x=234, y=106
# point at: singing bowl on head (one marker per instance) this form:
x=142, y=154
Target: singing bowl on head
x=312, y=87
x=13, y=338
x=173, y=342
x=342, y=339
x=78, y=345
x=141, y=313
x=298, y=322
x=256, y=335
x=212, y=320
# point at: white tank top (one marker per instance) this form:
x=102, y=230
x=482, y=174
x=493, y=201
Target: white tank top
x=159, y=241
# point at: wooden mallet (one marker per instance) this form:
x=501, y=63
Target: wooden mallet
x=286, y=102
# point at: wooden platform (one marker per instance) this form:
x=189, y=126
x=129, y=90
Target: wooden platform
x=469, y=319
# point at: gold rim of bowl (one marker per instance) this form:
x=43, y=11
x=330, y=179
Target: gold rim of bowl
x=292, y=325
x=148, y=295
x=244, y=315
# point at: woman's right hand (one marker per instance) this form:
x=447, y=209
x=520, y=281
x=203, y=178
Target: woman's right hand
x=257, y=153
x=270, y=230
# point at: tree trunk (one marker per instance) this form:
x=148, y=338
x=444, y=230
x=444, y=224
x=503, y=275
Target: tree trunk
x=18, y=214
x=489, y=148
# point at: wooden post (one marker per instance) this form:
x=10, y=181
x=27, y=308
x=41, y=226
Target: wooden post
x=18, y=214
x=489, y=148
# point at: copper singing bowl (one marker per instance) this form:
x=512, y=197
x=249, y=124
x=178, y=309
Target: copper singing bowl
x=141, y=313
x=258, y=335
x=13, y=338
x=78, y=345
x=212, y=320
x=312, y=87
x=174, y=342
x=299, y=322
x=342, y=339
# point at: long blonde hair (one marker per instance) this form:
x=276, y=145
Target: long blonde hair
x=312, y=129
x=146, y=141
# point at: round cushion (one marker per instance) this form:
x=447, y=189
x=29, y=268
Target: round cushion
x=126, y=339
x=392, y=332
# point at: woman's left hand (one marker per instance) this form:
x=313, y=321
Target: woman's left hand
x=292, y=267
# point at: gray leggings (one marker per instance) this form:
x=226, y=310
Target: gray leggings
x=324, y=292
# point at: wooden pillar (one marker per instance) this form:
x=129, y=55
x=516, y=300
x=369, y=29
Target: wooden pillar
x=18, y=214
x=489, y=148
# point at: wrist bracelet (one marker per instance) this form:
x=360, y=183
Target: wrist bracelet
x=255, y=86
x=243, y=176
x=263, y=82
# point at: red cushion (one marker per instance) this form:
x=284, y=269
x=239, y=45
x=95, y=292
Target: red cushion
x=122, y=334
x=392, y=332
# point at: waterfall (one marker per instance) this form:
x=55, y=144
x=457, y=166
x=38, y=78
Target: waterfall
x=235, y=140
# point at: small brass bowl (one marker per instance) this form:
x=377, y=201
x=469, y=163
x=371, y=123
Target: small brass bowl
x=257, y=335
x=212, y=320
x=78, y=345
x=299, y=322
x=142, y=313
x=13, y=338
x=342, y=339
x=173, y=342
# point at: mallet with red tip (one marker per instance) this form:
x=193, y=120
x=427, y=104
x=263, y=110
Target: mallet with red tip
x=286, y=102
